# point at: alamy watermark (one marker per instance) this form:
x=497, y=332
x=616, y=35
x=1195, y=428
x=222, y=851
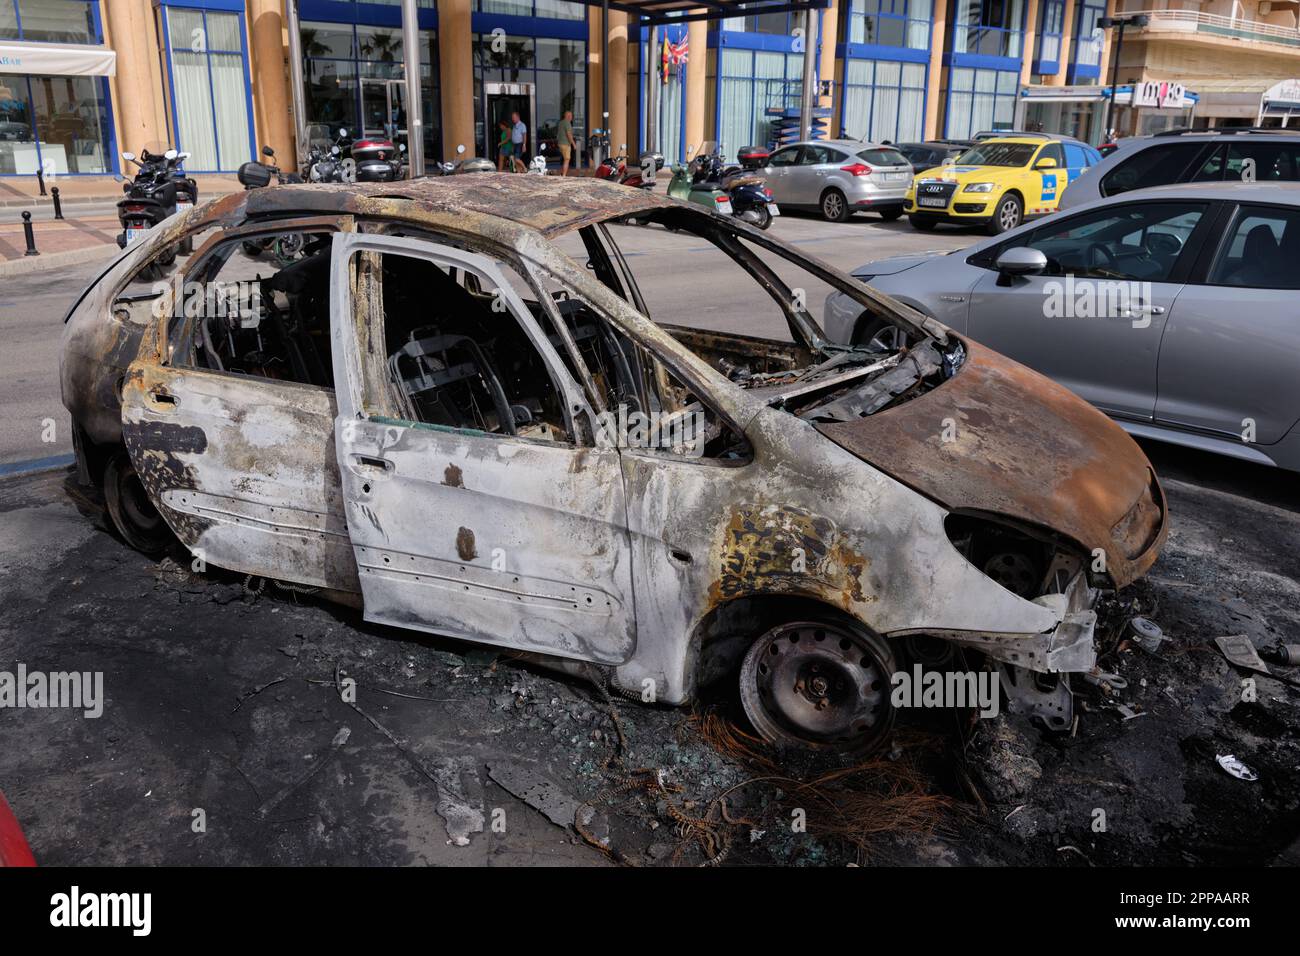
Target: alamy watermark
x=75, y=690
x=1098, y=299
x=682, y=433
x=239, y=299
x=976, y=690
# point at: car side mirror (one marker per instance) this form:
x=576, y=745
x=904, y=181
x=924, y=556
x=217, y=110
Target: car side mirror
x=1018, y=262
x=1045, y=163
x=254, y=175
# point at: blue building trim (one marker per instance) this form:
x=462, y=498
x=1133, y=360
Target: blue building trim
x=359, y=13
x=979, y=61
x=546, y=27
x=872, y=51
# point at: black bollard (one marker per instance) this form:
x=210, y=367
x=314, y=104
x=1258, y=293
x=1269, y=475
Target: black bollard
x=40, y=178
x=58, y=204
x=29, y=234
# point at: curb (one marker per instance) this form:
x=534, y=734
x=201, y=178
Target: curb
x=26, y=265
x=19, y=468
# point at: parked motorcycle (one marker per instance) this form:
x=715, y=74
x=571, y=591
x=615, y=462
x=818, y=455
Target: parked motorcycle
x=474, y=164
x=692, y=183
x=326, y=165
x=371, y=160
x=258, y=175
x=615, y=169
x=159, y=189
x=751, y=200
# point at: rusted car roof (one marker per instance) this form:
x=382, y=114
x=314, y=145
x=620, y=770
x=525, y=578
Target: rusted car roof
x=553, y=205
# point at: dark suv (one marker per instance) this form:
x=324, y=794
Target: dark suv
x=1221, y=154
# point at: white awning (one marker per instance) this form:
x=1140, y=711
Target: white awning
x=57, y=59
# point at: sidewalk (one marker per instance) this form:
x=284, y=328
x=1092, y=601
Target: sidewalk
x=25, y=192
x=92, y=233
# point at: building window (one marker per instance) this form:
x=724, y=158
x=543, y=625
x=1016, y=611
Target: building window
x=209, y=88
x=1047, y=47
x=48, y=21
x=758, y=94
x=355, y=80
x=557, y=70
x=1088, y=37
x=980, y=100
x=904, y=23
x=52, y=124
x=773, y=24
x=988, y=27
x=546, y=9
x=883, y=101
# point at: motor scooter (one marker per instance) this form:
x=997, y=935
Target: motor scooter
x=153, y=195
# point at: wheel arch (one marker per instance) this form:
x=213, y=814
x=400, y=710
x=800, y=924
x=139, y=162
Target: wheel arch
x=725, y=633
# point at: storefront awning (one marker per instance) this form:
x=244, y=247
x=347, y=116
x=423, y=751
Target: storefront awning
x=55, y=59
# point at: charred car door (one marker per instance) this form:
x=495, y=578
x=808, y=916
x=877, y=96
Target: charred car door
x=473, y=510
x=228, y=410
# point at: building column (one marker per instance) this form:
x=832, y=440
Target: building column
x=696, y=77
x=456, y=85
x=1028, y=42
x=1104, y=62
x=829, y=37
x=618, y=57
x=633, y=98
x=273, y=123
x=132, y=32
x=1067, y=44
x=934, y=79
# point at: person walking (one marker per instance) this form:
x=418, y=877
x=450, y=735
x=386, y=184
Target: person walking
x=503, y=145
x=568, y=145
x=518, y=143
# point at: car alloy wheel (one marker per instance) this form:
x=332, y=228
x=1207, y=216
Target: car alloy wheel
x=834, y=206
x=1008, y=215
x=819, y=685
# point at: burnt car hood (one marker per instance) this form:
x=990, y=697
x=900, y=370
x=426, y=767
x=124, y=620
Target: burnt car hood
x=1024, y=448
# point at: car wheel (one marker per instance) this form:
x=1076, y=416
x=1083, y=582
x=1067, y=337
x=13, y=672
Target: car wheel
x=880, y=335
x=819, y=685
x=889, y=215
x=129, y=507
x=1009, y=214
x=834, y=206
x=921, y=225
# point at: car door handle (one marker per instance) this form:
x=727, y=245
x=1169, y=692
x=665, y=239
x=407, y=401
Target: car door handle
x=363, y=464
x=1142, y=310
x=160, y=396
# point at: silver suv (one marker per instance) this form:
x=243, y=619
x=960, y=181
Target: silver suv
x=840, y=177
x=1221, y=154
x=1171, y=309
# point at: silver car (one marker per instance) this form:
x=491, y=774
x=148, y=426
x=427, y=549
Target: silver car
x=1189, y=156
x=1170, y=309
x=840, y=177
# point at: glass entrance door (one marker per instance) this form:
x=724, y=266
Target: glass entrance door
x=383, y=110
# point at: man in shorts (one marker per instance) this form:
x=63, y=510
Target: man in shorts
x=568, y=145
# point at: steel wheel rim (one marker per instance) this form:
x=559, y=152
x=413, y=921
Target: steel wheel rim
x=1009, y=217
x=819, y=686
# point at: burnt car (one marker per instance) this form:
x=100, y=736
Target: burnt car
x=457, y=411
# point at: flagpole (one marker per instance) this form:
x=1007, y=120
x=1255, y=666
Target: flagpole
x=652, y=92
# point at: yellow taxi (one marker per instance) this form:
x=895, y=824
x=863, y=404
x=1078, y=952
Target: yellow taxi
x=999, y=183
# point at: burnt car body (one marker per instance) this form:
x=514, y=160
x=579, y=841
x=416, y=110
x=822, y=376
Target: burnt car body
x=406, y=427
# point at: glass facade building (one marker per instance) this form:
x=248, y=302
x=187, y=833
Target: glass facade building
x=55, y=123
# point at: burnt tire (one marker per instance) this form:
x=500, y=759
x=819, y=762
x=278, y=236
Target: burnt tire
x=1008, y=214
x=132, y=513
x=835, y=208
x=820, y=685
x=921, y=225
